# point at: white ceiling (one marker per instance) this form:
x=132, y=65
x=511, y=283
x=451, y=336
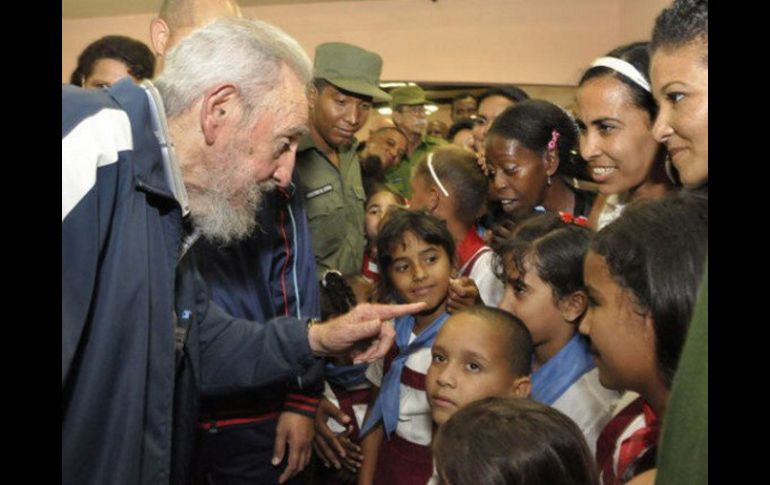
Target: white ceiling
x=108, y=8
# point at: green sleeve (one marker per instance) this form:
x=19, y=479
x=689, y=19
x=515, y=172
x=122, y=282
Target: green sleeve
x=684, y=446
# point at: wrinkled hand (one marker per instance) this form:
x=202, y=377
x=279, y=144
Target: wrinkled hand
x=463, y=292
x=295, y=431
x=364, y=332
x=501, y=233
x=336, y=450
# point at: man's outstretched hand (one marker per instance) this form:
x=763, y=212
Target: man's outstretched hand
x=364, y=333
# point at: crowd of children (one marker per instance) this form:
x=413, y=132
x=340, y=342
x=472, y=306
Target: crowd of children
x=559, y=366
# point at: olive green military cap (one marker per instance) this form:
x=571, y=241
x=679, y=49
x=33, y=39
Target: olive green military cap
x=409, y=95
x=351, y=68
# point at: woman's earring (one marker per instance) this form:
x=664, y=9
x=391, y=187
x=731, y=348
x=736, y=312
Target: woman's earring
x=671, y=172
x=548, y=180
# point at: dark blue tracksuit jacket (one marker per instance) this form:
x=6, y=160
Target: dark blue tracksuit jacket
x=269, y=274
x=129, y=407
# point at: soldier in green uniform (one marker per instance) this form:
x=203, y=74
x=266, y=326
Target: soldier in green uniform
x=409, y=115
x=344, y=87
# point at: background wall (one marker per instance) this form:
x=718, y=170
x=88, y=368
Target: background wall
x=546, y=42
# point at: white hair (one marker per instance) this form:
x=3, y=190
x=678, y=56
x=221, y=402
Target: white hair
x=247, y=53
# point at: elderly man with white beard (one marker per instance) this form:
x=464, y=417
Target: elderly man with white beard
x=146, y=170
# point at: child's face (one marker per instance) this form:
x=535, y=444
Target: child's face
x=470, y=362
x=376, y=208
x=531, y=300
x=420, y=271
x=622, y=337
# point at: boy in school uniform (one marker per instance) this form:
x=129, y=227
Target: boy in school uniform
x=480, y=352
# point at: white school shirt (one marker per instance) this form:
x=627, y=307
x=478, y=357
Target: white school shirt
x=589, y=404
x=415, y=422
x=482, y=273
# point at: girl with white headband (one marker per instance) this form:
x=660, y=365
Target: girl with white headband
x=615, y=115
x=450, y=185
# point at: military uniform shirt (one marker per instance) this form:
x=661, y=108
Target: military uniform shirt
x=334, y=199
x=397, y=177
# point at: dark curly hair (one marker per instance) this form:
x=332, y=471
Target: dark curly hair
x=683, y=23
x=336, y=295
x=137, y=57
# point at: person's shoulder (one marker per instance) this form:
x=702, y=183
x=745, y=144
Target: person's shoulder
x=305, y=146
x=79, y=104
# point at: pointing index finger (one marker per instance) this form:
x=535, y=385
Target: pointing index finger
x=386, y=312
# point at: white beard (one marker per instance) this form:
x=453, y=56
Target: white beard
x=219, y=217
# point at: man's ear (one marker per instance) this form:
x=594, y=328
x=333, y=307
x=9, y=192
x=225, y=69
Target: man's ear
x=219, y=106
x=159, y=35
x=573, y=306
x=521, y=387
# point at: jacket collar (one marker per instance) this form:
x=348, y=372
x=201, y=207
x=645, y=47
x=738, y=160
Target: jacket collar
x=155, y=167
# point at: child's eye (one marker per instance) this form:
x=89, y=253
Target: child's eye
x=473, y=367
x=400, y=267
x=438, y=358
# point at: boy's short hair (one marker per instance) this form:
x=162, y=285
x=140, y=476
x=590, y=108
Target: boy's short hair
x=519, y=341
